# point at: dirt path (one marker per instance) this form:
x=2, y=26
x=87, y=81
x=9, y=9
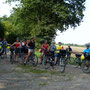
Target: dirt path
x=18, y=77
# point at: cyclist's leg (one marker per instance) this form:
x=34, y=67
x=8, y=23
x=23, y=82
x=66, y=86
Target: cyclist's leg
x=41, y=58
x=68, y=59
x=16, y=54
x=29, y=53
x=56, y=55
x=33, y=53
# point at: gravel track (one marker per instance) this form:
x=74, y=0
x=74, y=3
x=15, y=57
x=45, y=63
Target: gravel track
x=14, y=77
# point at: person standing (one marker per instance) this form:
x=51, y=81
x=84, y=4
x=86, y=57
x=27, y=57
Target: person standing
x=45, y=47
x=4, y=44
x=53, y=48
x=17, y=45
x=69, y=49
x=87, y=50
x=58, y=48
x=31, y=48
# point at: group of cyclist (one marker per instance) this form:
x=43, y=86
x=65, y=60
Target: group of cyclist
x=54, y=49
x=28, y=47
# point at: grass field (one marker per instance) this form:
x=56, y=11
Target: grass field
x=76, y=49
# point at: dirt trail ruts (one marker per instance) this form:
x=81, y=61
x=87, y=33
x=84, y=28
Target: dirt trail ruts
x=14, y=77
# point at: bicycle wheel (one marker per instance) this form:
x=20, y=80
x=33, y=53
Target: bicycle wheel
x=77, y=62
x=35, y=60
x=62, y=64
x=23, y=58
x=85, y=66
x=68, y=60
x=45, y=62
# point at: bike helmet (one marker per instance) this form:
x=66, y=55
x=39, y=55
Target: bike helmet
x=17, y=38
x=87, y=45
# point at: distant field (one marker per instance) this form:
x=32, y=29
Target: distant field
x=76, y=49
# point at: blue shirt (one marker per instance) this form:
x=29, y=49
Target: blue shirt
x=87, y=51
x=53, y=48
x=4, y=43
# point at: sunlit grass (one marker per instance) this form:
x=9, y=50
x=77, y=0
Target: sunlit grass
x=38, y=54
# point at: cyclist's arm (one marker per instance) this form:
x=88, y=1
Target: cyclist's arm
x=27, y=43
x=42, y=46
x=48, y=47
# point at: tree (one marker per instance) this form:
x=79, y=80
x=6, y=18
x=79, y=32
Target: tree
x=2, y=30
x=42, y=18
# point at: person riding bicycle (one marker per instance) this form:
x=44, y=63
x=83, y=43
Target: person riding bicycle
x=31, y=48
x=4, y=44
x=45, y=48
x=17, y=45
x=59, y=46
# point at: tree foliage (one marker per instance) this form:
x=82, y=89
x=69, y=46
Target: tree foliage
x=42, y=18
x=2, y=29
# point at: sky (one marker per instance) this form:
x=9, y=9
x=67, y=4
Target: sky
x=80, y=35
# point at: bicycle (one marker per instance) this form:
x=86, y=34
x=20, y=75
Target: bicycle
x=12, y=54
x=85, y=66
x=62, y=61
x=68, y=59
x=48, y=60
x=33, y=59
x=1, y=52
x=77, y=60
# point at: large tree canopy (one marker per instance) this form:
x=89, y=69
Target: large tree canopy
x=42, y=18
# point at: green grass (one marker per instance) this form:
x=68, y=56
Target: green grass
x=28, y=68
x=38, y=54
x=42, y=84
x=72, y=61
x=38, y=71
x=32, y=69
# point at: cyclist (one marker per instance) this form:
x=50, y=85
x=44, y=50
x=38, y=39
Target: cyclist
x=69, y=49
x=59, y=46
x=17, y=45
x=53, y=48
x=87, y=50
x=45, y=48
x=31, y=48
x=4, y=43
